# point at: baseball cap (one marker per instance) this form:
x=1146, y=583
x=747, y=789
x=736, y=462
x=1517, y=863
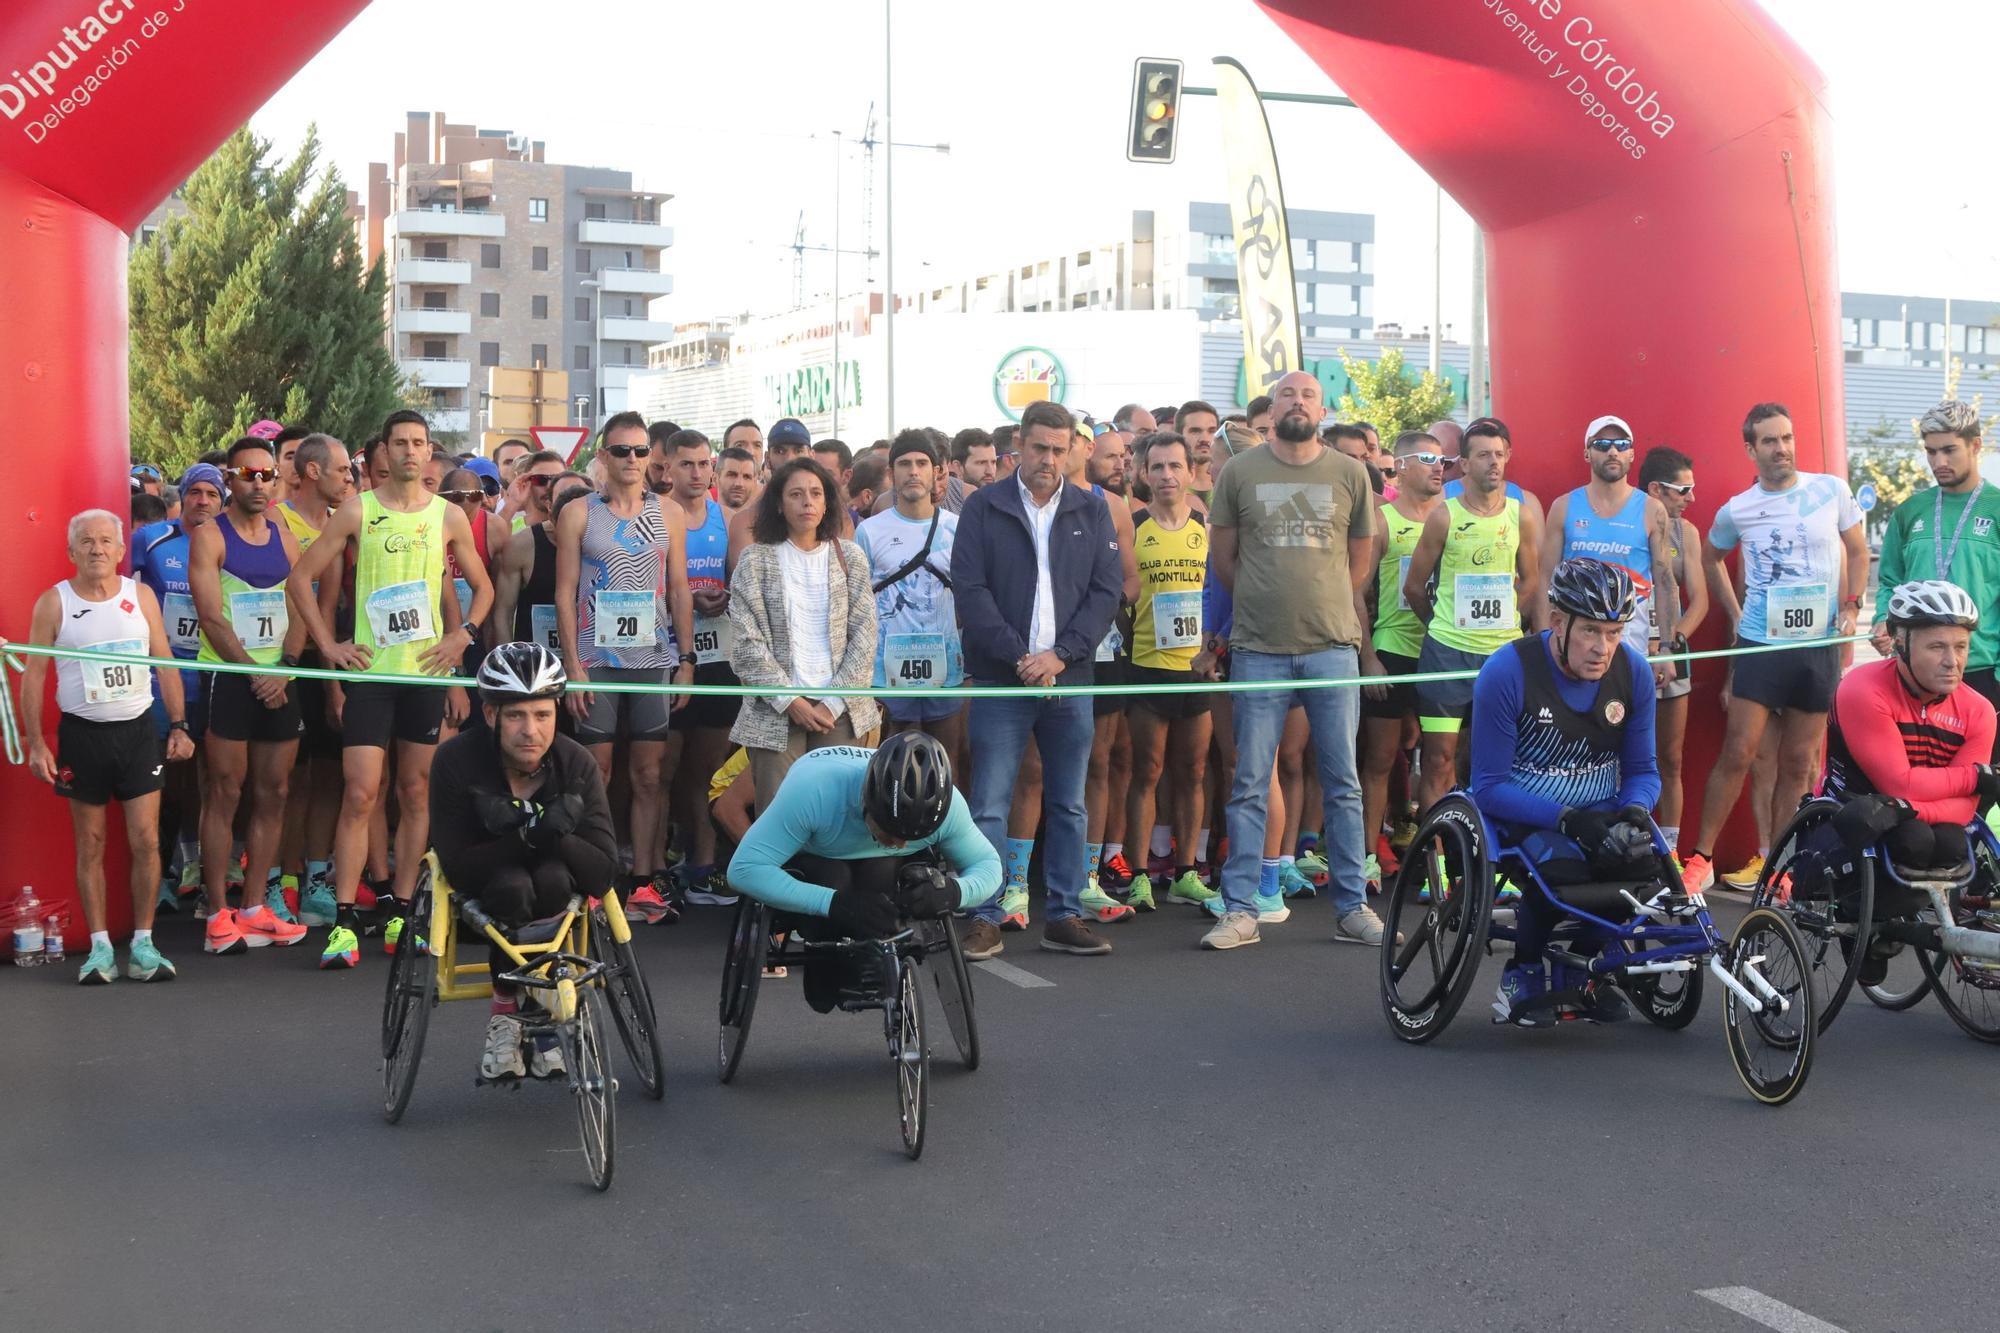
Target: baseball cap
x=266, y=430
x=788, y=431
x=488, y=473
x=1590, y=431
x=202, y=472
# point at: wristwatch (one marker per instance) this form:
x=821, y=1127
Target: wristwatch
x=178, y=724
x=471, y=627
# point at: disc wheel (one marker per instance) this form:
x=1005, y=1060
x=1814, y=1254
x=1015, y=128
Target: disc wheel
x=912, y=1056
x=1772, y=1050
x=953, y=980
x=1968, y=989
x=742, y=970
x=630, y=1001
x=593, y=1085
x=1669, y=1000
x=1425, y=979
x=1831, y=911
x=406, y=1010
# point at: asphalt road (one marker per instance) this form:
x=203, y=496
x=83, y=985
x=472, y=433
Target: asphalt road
x=1160, y=1140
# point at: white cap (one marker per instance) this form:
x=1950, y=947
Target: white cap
x=1590, y=431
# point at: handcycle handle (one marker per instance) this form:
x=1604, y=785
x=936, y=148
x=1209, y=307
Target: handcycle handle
x=591, y=969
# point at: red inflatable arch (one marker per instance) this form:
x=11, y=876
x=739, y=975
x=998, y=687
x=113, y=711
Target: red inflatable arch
x=1653, y=187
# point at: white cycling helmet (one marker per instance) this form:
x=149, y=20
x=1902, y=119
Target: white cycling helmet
x=1931, y=602
x=516, y=672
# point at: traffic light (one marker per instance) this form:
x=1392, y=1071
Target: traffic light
x=1156, y=102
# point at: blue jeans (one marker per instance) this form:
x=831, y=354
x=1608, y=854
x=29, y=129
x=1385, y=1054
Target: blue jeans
x=1334, y=715
x=1062, y=727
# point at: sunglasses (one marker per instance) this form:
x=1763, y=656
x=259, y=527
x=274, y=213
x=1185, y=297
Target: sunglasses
x=1678, y=488
x=628, y=450
x=463, y=497
x=254, y=473
x=1423, y=460
x=1606, y=446
x=148, y=471
x=539, y=479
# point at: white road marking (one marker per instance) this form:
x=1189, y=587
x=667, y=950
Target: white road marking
x=1771, y=1313
x=1009, y=973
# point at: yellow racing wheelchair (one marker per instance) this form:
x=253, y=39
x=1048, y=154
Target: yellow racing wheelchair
x=571, y=970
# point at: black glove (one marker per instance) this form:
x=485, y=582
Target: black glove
x=923, y=890
x=1588, y=828
x=498, y=814
x=1988, y=784
x=861, y=915
x=1863, y=821
x=1631, y=837
x=559, y=817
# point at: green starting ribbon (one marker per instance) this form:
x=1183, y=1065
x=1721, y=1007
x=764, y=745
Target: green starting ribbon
x=10, y=727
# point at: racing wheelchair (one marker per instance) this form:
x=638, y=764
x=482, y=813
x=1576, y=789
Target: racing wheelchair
x=862, y=974
x=1648, y=936
x=571, y=970
x=1848, y=904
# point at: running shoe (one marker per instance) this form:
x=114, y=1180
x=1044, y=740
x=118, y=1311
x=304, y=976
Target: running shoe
x=1308, y=845
x=1505, y=892
x=220, y=934
x=1101, y=905
x=1746, y=877
x=169, y=901
x=100, y=968
x=1520, y=984
x=502, y=1056
x=392, y=934
x=190, y=883
x=147, y=964
x=280, y=901
x=369, y=894
x=1371, y=871
x=1190, y=889
x=260, y=926
x=646, y=904
x=1115, y=872
x=1401, y=836
x=237, y=872
x=1313, y=866
x=1697, y=874
x=1385, y=855
x=1293, y=884
x=1271, y=910
x=1160, y=865
x=318, y=908
x=1014, y=907
x=711, y=890
x=343, y=949
x=1139, y=894
x=545, y=1057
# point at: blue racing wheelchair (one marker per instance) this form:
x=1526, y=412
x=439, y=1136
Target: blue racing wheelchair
x=1647, y=936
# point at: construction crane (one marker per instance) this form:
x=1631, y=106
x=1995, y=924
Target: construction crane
x=868, y=142
x=799, y=262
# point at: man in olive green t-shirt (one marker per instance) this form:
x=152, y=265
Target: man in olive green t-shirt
x=1293, y=524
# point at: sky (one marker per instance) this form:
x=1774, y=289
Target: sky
x=733, y=110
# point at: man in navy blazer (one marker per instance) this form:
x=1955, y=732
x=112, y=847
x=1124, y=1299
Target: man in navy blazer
x=1036, y=575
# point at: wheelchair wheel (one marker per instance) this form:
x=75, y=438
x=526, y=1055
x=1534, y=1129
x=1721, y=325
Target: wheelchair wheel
x=1833, y=920
x=1669, y=1000
x=406, y=1010
x=1425, y=980
x=912, y=1054
x=742, y=970
x=953, y=980
x=593, y=1085
x=1772, y=1050
x=1968, y=989
x=1907, y=983
x=631, y=1004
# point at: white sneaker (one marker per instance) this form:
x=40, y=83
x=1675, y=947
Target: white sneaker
x=502, y=1057
x=545, y=1057
x=1360, y=926
x=1234, y=930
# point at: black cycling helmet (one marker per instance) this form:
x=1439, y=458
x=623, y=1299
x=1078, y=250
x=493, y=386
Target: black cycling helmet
x=907, y=790
x=516, y=672
x=1594, y=590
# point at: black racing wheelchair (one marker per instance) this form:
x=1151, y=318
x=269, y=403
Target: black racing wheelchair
x=1645, y=935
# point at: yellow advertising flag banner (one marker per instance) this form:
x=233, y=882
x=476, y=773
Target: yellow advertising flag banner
x=1267, y=294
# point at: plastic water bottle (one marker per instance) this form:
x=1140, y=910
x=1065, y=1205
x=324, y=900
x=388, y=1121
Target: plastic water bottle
x=52, y=939
x=29, y=938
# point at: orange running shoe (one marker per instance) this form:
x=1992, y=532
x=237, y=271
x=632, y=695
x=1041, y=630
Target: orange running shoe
x=221, y=934
x=1697, y=874
x=260, y=926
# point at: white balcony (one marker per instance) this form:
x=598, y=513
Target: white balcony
x=457, y=420
x=602, y=231
x=438, y=222
x=432, y=319
x=618, y=329
x=438, y=372
x=644, y=281
x=432, y=272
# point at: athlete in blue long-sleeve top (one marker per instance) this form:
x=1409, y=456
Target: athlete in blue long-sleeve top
x=1562, y=756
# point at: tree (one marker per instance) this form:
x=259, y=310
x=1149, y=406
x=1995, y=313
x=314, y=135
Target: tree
x=256, y=304
x=1389, y=398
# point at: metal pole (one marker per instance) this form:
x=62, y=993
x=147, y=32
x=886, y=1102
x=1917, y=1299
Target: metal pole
x=1475, y=390
x=1437, y=274
x=888, y=228
x=836, y=275
x=1947, y=347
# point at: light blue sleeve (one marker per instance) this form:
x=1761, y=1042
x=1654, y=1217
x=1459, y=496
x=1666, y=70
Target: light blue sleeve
x=970, y=855
x=780, y=832
x=1722, y=535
